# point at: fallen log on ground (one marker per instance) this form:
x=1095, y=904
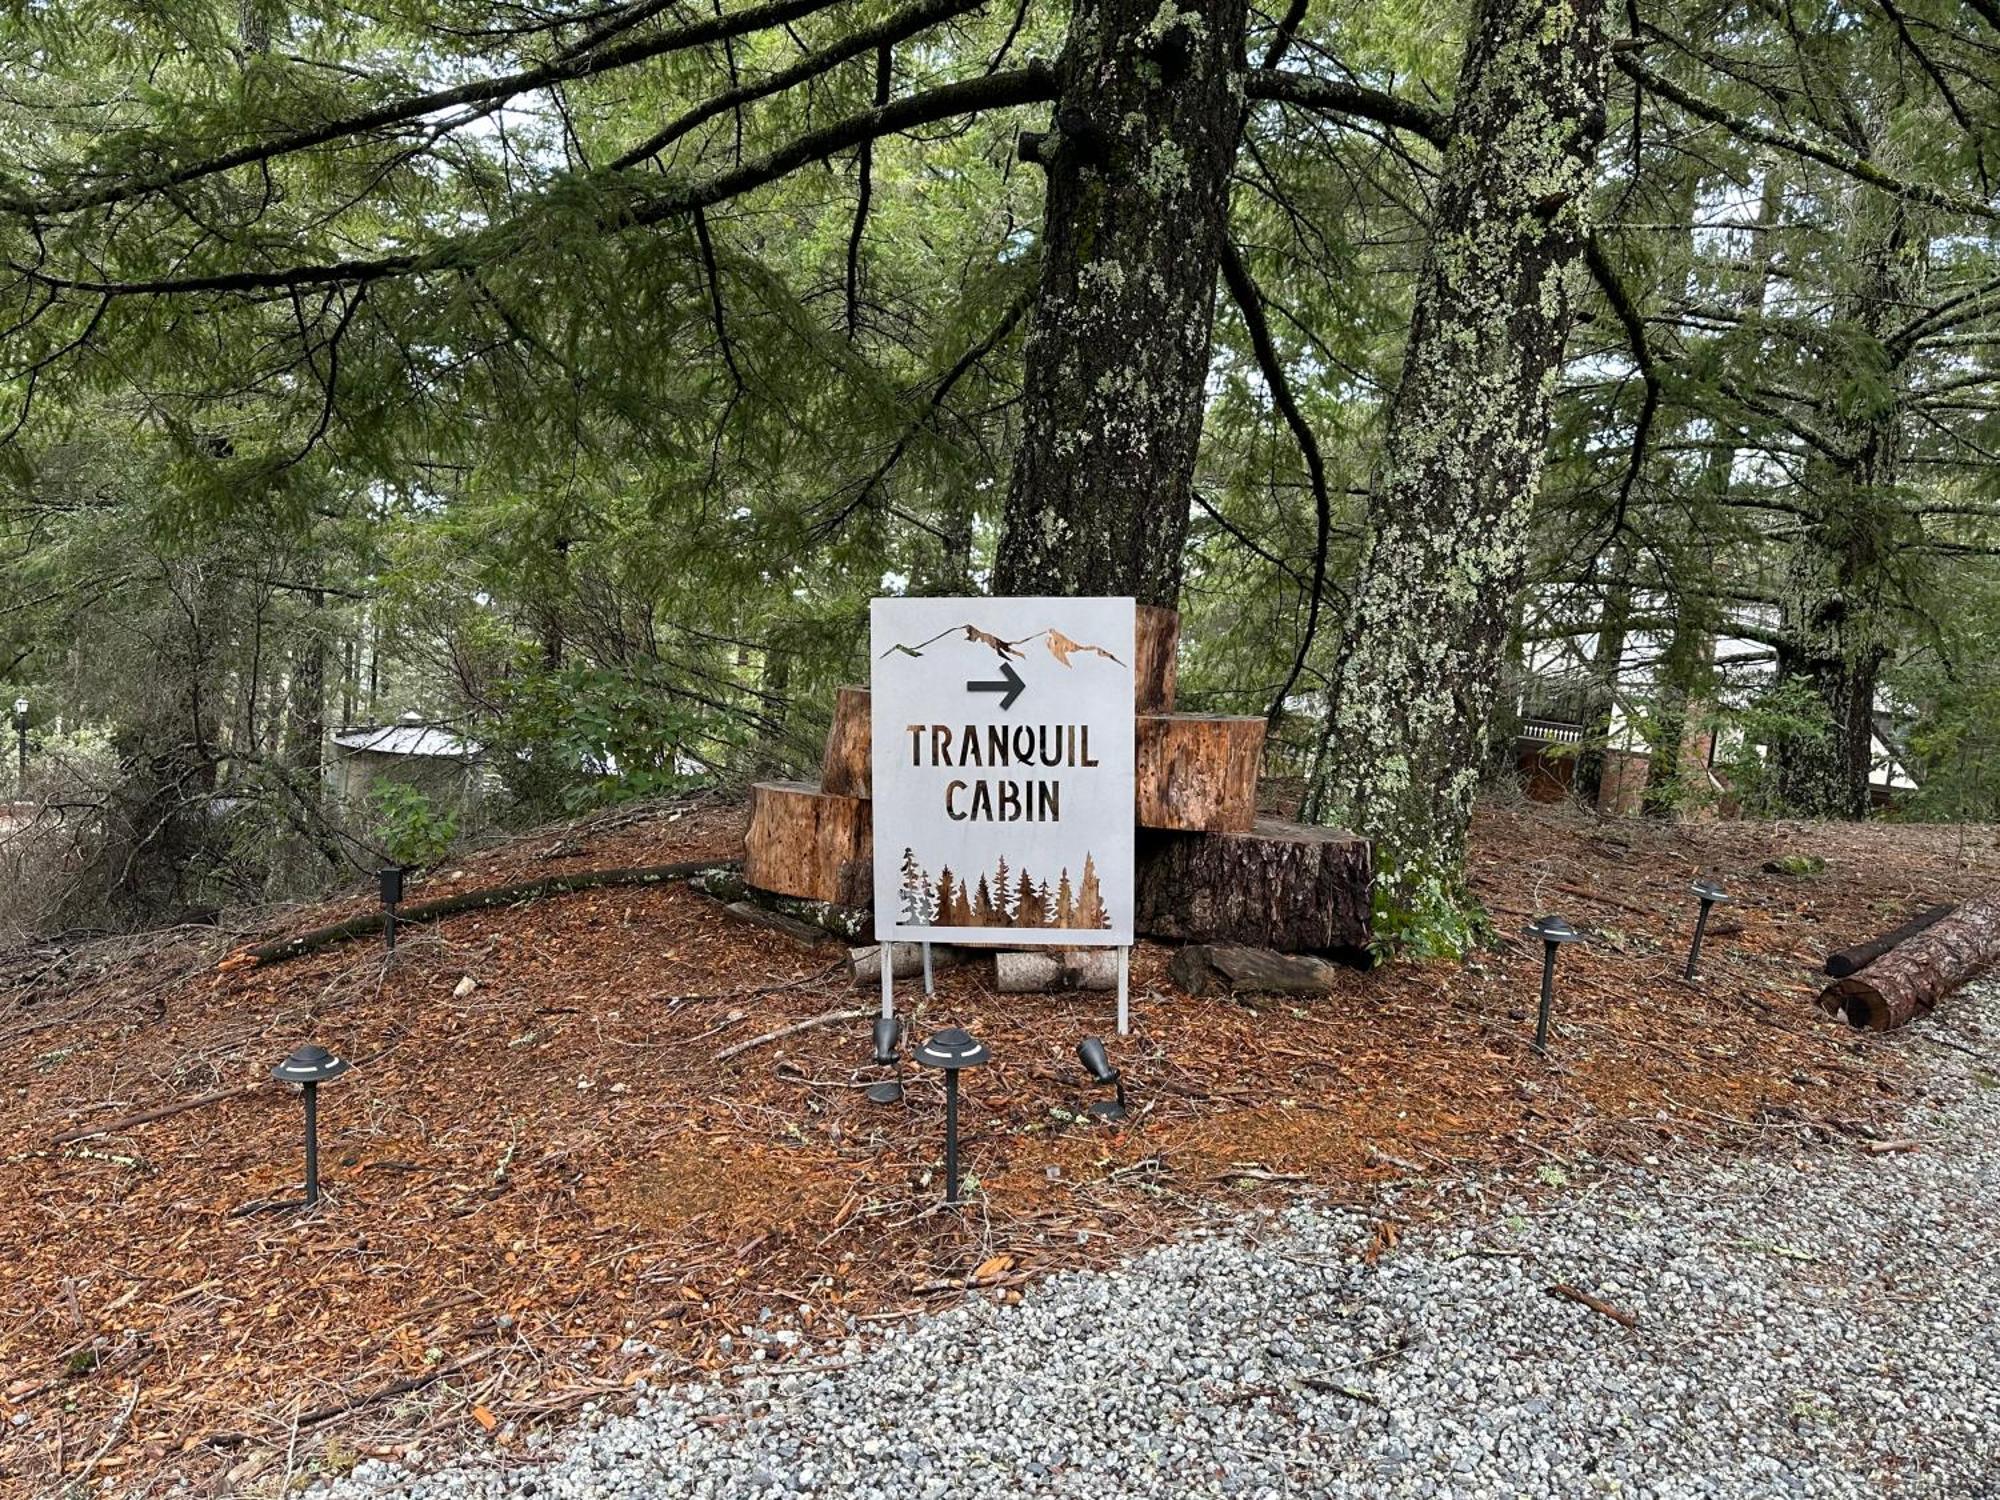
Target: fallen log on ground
x=1908, y=981
x=1852, y=960
x=1230, y=969
x=368, y=922
x=726, y=884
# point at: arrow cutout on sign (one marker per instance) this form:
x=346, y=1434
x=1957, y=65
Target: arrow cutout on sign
x=1010, y=684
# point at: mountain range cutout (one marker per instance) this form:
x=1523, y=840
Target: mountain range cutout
x=1061, y=647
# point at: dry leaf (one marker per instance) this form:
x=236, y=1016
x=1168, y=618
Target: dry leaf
x=485, y=1418
x=993, y=1268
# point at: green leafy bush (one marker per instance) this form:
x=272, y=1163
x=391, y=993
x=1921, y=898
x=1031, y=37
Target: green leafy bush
x=584, y=736
x=410, y=826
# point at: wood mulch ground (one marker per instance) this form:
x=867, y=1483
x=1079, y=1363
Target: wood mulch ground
x=528, y=1181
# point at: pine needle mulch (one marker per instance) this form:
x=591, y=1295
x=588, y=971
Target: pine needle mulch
x=544, y=1187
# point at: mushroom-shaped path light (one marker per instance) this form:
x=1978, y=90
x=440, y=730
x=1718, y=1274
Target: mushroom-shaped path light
x=1709, y=894
x=1554, y=932
x=311, y=1066
x=950, y=1051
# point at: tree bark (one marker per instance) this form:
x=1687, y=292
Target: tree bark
x=1467, y=437
x=1139, y=162
x=1298, y=890
x=1908, y=981
x=1834, y=630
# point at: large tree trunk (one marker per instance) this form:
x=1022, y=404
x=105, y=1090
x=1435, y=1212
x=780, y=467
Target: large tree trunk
x=1138, y=169
x=1467, y=434
x=1834, y=634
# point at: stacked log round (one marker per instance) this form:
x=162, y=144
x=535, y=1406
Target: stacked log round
x=844, y=769
x=1156, y=654
x=808, y=843
x=1198, y=772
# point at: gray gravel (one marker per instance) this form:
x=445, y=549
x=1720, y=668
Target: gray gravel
x=1823, y=1322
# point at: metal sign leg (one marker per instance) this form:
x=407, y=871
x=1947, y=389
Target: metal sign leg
x=1124, y=991
x=888, y=981
x=927, y=970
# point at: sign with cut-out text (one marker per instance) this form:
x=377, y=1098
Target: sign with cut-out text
x=1002, y=770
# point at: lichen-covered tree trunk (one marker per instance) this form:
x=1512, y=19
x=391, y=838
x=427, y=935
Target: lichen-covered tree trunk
x=1466, y=440
x=1834, y=634
x=1146, y=130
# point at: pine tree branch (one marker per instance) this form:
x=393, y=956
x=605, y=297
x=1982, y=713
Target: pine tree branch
x=1635, y=335
x=898, y=27
x=1308, y=92
x=1032, y=84
x=1840, y=160
x=1249, y=303
x=582, y=64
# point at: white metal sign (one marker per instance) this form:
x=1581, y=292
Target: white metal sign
x=1002, y=770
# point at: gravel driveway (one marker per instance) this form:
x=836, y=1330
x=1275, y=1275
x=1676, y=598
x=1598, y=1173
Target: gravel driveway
x=1821, y=1323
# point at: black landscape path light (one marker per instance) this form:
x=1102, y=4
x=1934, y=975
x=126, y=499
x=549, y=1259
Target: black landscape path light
x=391, y=877
x=311, y=1066
x=889, y=1090
x=1710, y=894
x=1554, y=932
x=949, y=1051
x=1090, y=1052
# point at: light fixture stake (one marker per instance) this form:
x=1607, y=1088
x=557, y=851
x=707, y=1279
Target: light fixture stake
x=1709, y=893
x=391, y=878
x=1554, y=932
x=309, y=1067
x=952, y=1050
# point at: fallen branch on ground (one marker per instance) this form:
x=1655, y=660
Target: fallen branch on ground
x=365, y=923
x=1596, y=1304
x=830, y=1018
x=164, y=1111
x=1851, y=960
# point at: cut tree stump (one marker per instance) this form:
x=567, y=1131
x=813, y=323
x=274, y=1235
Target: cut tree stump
x=807, y=843
x=1198, y=772
x=1909, y=980
x=1229, y=969
x=1034, y=971
x=1852, y=960
x=844, y=768
x=1156, y=658
x=1284, y=886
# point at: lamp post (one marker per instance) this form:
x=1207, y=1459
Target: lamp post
x=1090, y=1052
x=889, y=1090
x=1554, y=932
x=391, y=877
x=311, y=1066
x=21, y=741
x=950, y=1051
x=1709, y=894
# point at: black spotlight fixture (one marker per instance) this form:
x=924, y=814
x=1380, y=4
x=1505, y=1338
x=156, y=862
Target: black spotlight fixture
x=311, y=1066
x=889, y=1090
x=1090, y=1052
x=391, y=877
x=1554, y=932
x=950, y=1051
x=1710, y=894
